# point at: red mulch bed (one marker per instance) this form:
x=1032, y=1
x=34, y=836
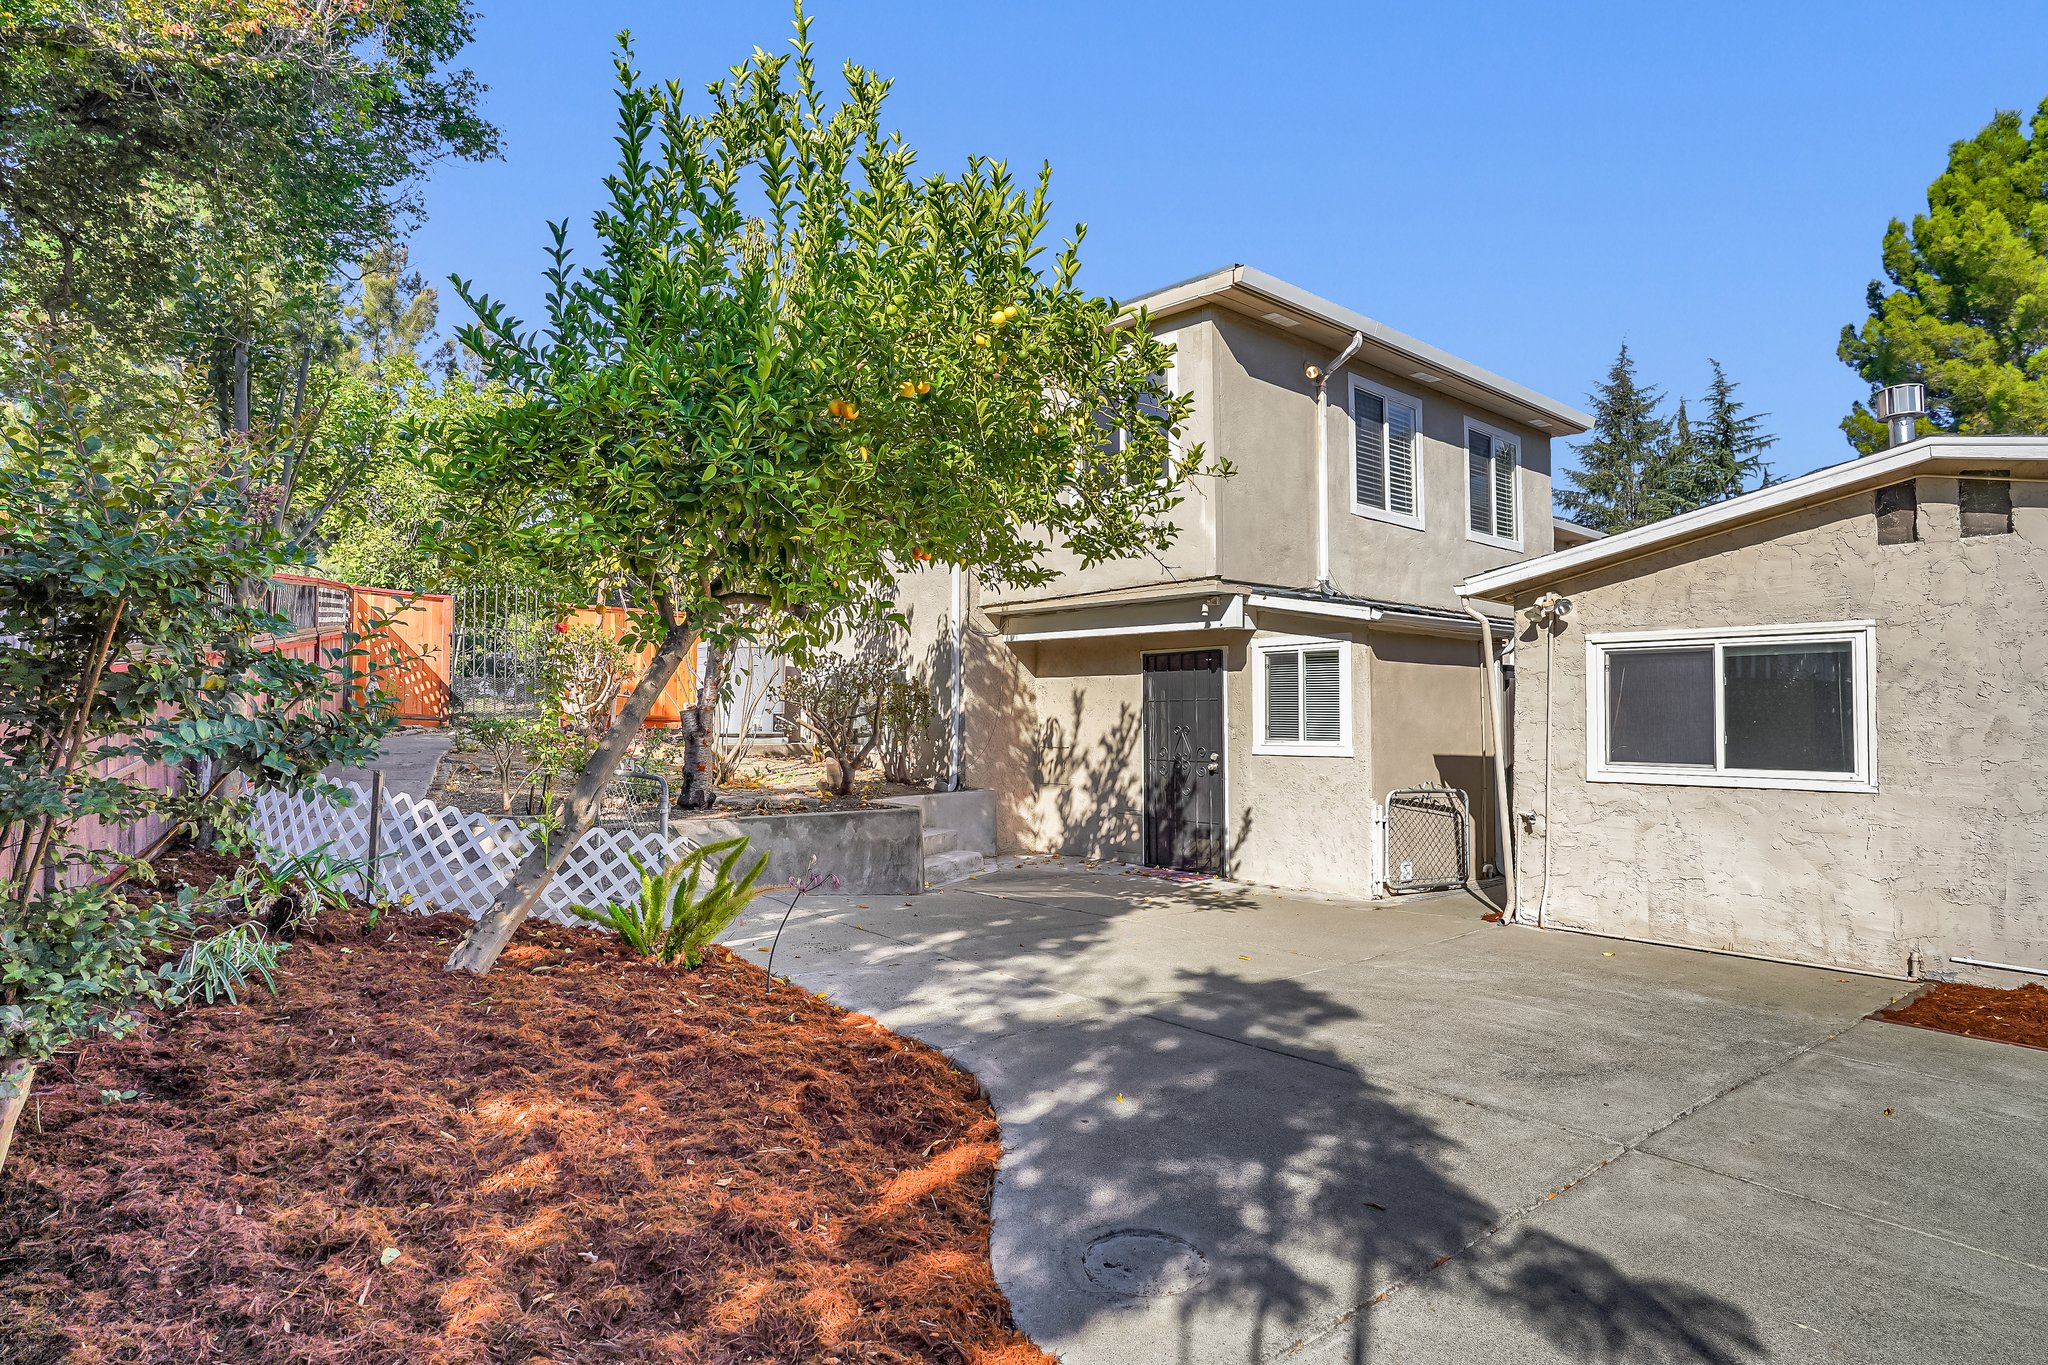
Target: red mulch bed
x=582, y=1158
x=2019, y=1015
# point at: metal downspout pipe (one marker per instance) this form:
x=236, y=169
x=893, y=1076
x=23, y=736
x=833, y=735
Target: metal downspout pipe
x=1512, y=909
x=957, y=738
x=1321, y=376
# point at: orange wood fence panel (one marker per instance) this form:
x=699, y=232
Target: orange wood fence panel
x=682, y=688
x=408, y=640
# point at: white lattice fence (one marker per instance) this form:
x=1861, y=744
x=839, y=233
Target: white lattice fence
x=449, y=859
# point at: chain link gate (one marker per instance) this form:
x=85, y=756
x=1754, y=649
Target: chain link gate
x=497, y=646
x=1428, y=833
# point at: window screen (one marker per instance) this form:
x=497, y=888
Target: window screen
x=1283, y=696
x=1660, y=706
x=1321, y=697
x=1779, y=706
x=1789, y=707
x=1491, y=483
x=1304, y=695
x=1384, y=454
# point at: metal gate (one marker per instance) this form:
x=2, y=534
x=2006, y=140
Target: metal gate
x=496, y=646
x=1183, y=719
x=1428, y=833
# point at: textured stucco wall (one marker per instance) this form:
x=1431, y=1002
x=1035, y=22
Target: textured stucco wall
x=1944, y=858
x=1429, y=724
x=1265, y=424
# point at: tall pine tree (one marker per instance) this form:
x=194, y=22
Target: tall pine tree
x=1622, y=463
x=1732, y=442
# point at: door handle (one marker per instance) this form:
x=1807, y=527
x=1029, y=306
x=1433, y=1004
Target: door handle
x=1214, y=766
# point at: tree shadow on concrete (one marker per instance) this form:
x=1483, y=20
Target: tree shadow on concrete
x=1309, y=1189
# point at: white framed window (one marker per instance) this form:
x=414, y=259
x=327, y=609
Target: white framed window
x=1792, y=707
x=1386, y=454
x=1301, y=696
x=1492, y=485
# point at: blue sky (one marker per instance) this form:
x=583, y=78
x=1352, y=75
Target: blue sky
x=1525, y=185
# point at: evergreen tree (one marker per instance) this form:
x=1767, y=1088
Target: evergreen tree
x=1623, y=462
x=1733, y=443
x=1961, y=306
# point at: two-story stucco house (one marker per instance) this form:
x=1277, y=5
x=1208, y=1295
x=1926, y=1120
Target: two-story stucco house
x=1245, y=704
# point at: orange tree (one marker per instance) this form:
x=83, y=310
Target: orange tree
x=798, y=368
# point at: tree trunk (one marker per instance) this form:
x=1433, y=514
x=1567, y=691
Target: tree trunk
x=487, y=938
x=15, y=1077
x=700, y=784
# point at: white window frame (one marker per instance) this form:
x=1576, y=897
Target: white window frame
x=1861, y=637
x=1386, y=514
x=1521, y=444
x=1341, y=748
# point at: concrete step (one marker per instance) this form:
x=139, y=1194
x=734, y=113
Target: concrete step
x=940, y=841
x=951, y=866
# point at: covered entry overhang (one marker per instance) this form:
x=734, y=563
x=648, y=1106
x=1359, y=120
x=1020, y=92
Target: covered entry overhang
x=1226, y=610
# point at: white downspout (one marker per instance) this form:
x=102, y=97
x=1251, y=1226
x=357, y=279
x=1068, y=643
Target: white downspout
x=1512, y=910
x=957, y=740
x=1322, y=381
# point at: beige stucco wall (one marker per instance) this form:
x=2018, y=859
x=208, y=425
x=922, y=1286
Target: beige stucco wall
x=1429, y=724
x=1946, y=857
x=1254, y=409
x=1192, y=554
x=1264, y=424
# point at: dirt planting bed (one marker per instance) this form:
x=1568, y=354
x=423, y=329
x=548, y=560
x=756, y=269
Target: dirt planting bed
x=2018, y=1015
x=766, y=784
x=579, y=1158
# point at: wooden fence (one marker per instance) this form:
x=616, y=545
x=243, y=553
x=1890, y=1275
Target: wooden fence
x=405, y=639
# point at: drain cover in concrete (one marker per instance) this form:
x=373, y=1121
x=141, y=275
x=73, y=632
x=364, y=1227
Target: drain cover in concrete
x=1142, y=1263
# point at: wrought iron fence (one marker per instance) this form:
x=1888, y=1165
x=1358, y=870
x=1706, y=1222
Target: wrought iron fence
x=497, y=648
x=1429, y=839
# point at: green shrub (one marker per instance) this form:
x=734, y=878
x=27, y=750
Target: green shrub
x=220, y=964
x=672, y=918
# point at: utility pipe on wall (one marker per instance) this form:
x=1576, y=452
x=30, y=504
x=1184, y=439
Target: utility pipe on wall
x=957, y=740
x=1321, y=376
x=1512, y=911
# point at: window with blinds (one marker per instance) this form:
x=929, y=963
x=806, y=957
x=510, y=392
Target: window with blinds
x=1491, y=460
x=1303, y=695
x=1386, y=471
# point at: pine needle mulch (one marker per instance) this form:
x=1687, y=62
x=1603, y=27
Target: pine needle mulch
x=581, y=1157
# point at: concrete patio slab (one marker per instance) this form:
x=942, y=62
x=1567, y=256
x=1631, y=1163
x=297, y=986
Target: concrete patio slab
x=1235, y=1119
x=409, y=758
x=1956, y=1155
x=1655, y=1262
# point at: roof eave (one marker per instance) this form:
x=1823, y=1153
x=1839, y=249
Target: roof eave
x=1822, y=485
x=1560, y=419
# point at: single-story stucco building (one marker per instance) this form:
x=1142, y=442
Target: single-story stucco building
x=1808, y=723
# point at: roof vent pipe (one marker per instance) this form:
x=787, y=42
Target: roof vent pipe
x=1901, y=406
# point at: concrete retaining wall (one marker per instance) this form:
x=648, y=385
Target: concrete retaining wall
x=969, y=814
x=874, y=850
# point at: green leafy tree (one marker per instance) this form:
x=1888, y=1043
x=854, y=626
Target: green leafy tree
x=1963, y=306
x=293, y=130
x=126, y=642
x=798, y=368
x=1618, y=481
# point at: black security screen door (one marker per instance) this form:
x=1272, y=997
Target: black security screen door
x=1184, y=819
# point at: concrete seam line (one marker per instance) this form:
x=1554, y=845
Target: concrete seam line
x=1585, y=1174
x=1877, y=1218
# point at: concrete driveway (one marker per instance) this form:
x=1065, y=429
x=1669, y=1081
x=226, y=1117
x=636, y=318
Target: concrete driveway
x=1243, y=1126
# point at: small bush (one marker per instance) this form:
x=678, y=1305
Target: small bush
x=583, y=669
x=221, y=964
x=672, y=918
